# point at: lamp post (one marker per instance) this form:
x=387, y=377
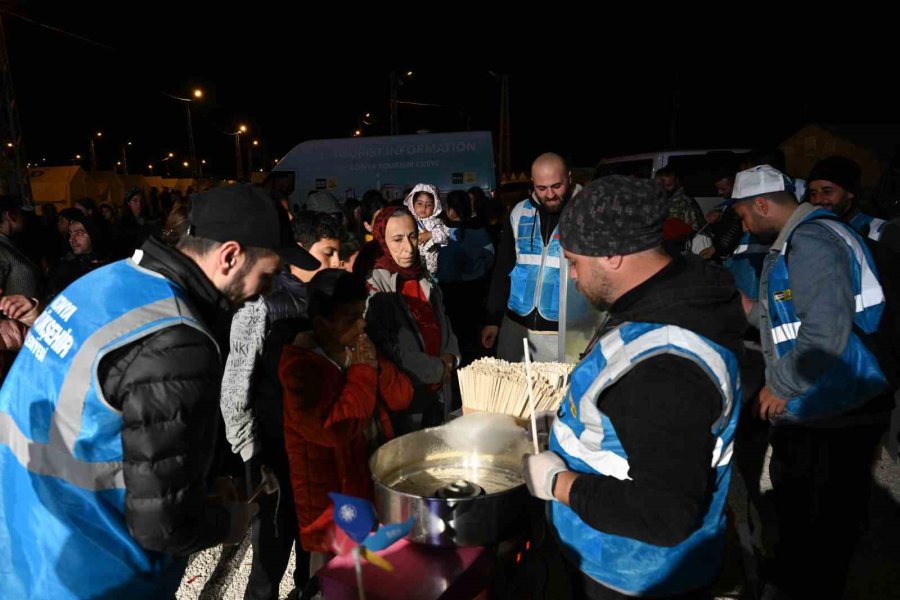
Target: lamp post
x=125, y=157
x=99, y=134
x=238, y=168
x=255, y=144
x=197, y=94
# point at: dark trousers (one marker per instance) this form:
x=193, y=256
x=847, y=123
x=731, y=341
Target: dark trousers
x=274, y=531
x=822, y=480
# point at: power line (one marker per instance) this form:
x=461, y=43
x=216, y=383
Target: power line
x=58, y=30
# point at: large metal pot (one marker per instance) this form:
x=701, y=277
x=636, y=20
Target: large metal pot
x=457, y=497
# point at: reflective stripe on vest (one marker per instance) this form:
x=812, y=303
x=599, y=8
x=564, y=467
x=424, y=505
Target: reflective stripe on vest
x=869, y=226
x=587, y=441
x=61, y=444
x=855, y=377
x=534, y=281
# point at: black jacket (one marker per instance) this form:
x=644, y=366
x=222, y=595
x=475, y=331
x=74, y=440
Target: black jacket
x=167, y=387
x=286, y=318
x=663, y=410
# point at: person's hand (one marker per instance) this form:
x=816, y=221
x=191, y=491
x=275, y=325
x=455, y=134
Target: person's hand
x=489, y=335
x=19, y=308
x=714, y=215
x=747, y=303
x=363, y=352
x=539, y=471
x=449, y=365
x=424, y=237
x=707, y=253
x=768, y=405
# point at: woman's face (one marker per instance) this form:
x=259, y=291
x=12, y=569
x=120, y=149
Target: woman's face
x=402, y=240
x=134, y=203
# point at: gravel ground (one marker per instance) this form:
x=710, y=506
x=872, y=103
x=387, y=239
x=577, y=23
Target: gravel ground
x=874, y=574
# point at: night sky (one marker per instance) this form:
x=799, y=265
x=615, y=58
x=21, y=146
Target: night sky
x=281, y=77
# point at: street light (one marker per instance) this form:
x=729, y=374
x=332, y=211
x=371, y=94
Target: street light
x=125, y=157
x=238, y=168
x=197, y=95
x=250, y=156
x=94, y=151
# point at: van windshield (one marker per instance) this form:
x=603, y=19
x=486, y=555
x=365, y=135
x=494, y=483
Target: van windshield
x=636, y=168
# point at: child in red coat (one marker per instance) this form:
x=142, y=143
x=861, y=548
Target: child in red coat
x=337, y=391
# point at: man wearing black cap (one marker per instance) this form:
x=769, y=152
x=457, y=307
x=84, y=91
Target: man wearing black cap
x=833, y=185
x=640, y=450
x=108, y=418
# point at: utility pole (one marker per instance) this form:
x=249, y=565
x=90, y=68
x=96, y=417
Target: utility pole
x=504, y=144
x=395, y=125
x=10, y=128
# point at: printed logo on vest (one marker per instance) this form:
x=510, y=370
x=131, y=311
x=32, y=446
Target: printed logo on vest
x=783, y=296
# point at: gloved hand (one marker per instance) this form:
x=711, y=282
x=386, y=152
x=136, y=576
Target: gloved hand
x=539, y=471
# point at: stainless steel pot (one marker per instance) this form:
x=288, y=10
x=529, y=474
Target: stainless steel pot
x=457, y=497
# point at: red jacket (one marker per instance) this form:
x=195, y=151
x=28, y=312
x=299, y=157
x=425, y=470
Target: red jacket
x=326, y=412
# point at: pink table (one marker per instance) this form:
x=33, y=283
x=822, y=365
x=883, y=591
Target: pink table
x=420, y=573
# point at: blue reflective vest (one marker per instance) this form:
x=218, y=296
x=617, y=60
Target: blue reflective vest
x=746, y=264
x=586, y=440
x=856, y=377
x=868, y=226
x=534, y=282
x=62, y=491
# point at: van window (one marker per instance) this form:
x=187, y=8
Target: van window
x=636, y=168
x=698, y=171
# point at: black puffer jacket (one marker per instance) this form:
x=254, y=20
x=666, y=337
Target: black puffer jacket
x=167, y=387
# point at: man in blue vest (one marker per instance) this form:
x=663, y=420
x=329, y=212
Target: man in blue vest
x=820, y=302
x=524, y=292
x=109, y=415
x=640, y=450
x=833, y=185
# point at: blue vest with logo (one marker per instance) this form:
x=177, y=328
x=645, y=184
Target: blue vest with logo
x=868, y=226
x=746, y=264
x=62, y=490
x=586, y=440
x=856, y=377
x=534, y=282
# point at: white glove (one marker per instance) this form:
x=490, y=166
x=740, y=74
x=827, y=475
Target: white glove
x=539, y=471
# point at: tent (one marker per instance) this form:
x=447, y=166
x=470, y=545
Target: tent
x=106, y=187
x=60, y=185
x=815, y=142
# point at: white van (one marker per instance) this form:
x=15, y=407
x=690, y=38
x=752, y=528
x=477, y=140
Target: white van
x=347, y=167
x=696, y=169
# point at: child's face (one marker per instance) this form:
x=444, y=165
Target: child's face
x=424, y=206
x=346, y=324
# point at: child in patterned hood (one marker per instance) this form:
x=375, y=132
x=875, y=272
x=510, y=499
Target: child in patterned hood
x=424, y=203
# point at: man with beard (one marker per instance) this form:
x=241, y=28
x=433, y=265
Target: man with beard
x=108, y=417
x=820, y=302
x=640, y=450
x=524, y=292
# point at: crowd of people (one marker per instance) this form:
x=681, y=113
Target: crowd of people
x=310, y=335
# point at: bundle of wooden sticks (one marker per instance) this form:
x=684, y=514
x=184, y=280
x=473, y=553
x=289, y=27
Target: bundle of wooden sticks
x=497, y=386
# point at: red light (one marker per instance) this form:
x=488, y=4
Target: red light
x=527, y=545
x=518, y=558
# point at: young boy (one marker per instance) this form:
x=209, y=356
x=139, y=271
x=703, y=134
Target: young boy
x=337, y=392
x=424, y=203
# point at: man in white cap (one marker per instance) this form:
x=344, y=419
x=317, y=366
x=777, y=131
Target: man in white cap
x=819, y=303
